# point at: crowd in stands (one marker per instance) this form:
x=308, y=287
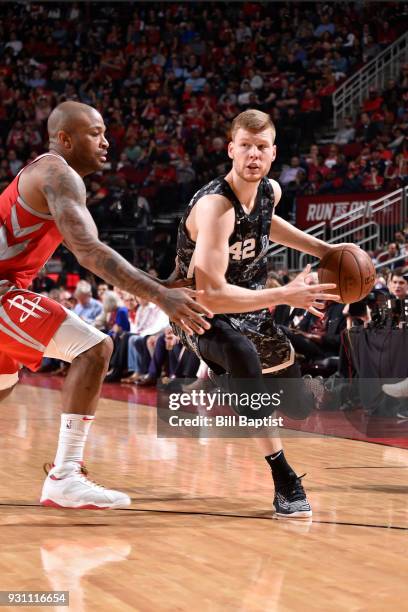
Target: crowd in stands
x=370, y=154
x=169, y=77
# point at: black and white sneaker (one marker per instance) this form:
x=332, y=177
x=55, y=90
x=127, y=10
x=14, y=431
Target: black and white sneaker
x=402, y=414
x=316, y=386
x=290, y=500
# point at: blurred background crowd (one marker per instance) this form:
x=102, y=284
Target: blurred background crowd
x=168, y=78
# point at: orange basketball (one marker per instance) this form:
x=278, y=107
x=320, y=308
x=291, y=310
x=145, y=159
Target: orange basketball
x=351, y=269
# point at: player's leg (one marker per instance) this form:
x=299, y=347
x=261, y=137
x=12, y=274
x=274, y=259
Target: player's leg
x=6, y=392
x=7, y=384
x=290, y=498
x=8, y=375
x=232, y=356
x=227, y=350
x=89, y=351
x=34, y=326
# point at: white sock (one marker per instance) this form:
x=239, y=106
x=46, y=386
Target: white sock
x=73, y=434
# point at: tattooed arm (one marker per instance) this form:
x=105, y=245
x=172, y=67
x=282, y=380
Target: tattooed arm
x=65, y=193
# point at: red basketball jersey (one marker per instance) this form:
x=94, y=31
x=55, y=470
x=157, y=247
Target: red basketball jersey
x=27, y=237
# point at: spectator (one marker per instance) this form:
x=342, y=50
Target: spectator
x=290, y=173
x=166, y=352
x=310, y=108
x=14, y=44
x=15, y=164
x=372, y=180
x=318, y=338
x=346, y=133
x=150, y=320
x=370, y=49
x=156, y=93
x=218, y=158
x=101, y=289
x=43, y=283
x=374, y=101
x=185, y=179
x=131, y=357
x=366, y=130
x=332, y=158
x=114, y=319
x=87, y=307
x=325, y=25
x=398, y=284
x=391, y=253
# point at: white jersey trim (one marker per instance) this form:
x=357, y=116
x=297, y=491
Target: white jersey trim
x=28, y=208
x=22, y=202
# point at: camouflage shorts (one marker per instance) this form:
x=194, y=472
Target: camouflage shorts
x=273, y=347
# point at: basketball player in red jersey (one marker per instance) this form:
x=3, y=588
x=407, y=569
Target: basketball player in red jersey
x=43, y=206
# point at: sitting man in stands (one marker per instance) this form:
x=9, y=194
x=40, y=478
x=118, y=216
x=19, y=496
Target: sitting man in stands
x=87, y=307
x=318, y=338
x=171, y=354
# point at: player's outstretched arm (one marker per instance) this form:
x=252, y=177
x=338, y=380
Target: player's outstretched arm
x=287, y=234
x=215, y=223
x=283, y=232
x=65, y=193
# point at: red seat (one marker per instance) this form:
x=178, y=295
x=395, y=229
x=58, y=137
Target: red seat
x=72, y=281
x=353, y=149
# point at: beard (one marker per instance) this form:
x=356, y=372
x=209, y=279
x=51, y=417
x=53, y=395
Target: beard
x=250, y=177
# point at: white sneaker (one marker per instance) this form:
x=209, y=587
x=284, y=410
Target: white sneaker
x=398, y=389
x=67, y=486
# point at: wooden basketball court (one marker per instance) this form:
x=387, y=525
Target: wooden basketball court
x=200, y=534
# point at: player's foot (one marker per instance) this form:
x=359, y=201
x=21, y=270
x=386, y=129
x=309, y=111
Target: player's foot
x=290, y=500
x=198, y=385
x=146, y=381
x=317, y=387
x=398, y=389
x=67, y=486
x=402, y=414
x=218, y=380
x=132, y=378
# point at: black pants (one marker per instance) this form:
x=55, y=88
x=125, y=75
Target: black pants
x=118, y=360
x=305, y=346
x=233, y=357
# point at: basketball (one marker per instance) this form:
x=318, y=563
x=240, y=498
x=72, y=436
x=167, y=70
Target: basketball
x=351, y=269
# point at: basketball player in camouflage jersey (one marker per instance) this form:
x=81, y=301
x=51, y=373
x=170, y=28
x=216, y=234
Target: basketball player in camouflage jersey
x=223, y=241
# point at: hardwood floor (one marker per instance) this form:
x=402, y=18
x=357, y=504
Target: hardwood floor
x=200, y=534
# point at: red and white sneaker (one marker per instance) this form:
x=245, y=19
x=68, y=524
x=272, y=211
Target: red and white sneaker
x=67, y=486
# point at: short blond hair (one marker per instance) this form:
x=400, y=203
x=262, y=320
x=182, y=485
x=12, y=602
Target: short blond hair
x=254, y=121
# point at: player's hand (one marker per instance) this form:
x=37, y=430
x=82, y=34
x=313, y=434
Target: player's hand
x=309, y=297
x=176, y=280
x=340, y=245
x=313, y=337
x=177, y=283
x=184, y=311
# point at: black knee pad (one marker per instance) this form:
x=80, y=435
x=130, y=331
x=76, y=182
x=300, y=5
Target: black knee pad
x=243, y=359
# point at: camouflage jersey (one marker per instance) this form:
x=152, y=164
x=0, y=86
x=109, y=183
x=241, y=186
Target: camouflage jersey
x=247, y=267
